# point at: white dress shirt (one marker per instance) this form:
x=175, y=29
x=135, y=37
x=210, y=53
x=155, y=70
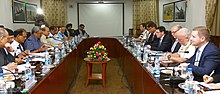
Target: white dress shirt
x=188, y=48
x=16, y=48
x=144, y=34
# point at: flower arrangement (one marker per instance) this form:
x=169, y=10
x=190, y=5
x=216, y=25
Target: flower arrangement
x=97, y=53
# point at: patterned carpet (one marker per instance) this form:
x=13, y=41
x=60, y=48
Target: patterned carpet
x=115, y=82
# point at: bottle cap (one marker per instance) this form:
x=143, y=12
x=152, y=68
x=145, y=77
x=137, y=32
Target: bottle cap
x=1, y=74
x=189, y=69
x=27, y=60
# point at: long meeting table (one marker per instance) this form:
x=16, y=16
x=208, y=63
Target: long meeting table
x=61, y=79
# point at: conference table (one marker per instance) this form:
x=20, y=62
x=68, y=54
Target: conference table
x=61, y=79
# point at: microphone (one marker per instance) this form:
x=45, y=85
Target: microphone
x=48, y=44
x=54, y=38
x=173, y=78
x=8, y=71
x=183, y=51
x=16, y=51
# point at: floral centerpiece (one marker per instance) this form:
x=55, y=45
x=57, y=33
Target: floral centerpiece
x=97, y=53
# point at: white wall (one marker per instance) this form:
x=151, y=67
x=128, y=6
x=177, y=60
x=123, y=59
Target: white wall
x=195, y=14
x=128, y=11
x=6, y=15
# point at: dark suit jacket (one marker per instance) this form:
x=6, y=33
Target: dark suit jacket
x=177, y=47
x=209, y=61
x=216, y=78
x=152, y=41
x=165, y=45
x=5, y=58
x=76, y=32
x=71, y=32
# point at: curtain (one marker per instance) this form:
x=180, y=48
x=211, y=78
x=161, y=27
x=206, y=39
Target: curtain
x=212, y=16
x=55, y=12
x=145, y=10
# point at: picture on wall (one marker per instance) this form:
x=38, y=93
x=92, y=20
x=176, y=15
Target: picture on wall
x=31, y=11
x=19, y=12
x=168, y=12
x=180, y=11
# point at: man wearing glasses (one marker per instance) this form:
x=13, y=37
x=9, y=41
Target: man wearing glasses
x=3, y=56
x=20, y=36
x=176, y=45
x=33, y=43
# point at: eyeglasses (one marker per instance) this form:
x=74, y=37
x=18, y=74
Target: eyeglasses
x=10, y=37
x=174, y=31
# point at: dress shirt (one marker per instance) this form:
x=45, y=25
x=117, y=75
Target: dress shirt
x=199, y=53
x=61, y=35
x=32, y=43
x=80, y=33
x=188, y=48
x=17, y=50
x=144, y=35
x=160, y=40
x=49, y=40
x=174, y=45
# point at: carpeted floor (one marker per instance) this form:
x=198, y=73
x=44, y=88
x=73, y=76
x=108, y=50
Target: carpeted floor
x=115, y=83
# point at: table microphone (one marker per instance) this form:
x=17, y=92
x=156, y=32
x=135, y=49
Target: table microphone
x=54, y=38
x=48, y=44
x=8, y=71
x=12, y=74
x=183, y=51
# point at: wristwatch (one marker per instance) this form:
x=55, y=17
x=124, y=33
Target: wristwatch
x=168, y=57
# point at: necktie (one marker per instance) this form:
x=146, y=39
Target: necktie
x=160, y=41
x=20, y=47
x=150, y=38
x=197, y=58
x=174, y=46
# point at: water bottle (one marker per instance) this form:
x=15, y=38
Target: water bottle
x=157, y=68
x=79, y=38
x=27, y=64
x=28, y=71
x=73, y=44
x=139, y=52
x=2, y=83
x=134, y=48
x=76, y=39
x=188, y=88
x=47, y=58
x=67, y=46
x=63, y=52
x=57, y=55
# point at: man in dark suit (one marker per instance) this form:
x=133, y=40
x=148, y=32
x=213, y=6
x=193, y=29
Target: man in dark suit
x=81, y=32
x=69, y=31
x=206, y=59
x=175, y=44
x=152, y=39
x=164, y=42
x=3, y=57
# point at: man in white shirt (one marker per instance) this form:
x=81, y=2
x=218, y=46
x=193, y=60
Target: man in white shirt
x=186, y=50
x=144, y=33
x=20, y=36
x=47, y=38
